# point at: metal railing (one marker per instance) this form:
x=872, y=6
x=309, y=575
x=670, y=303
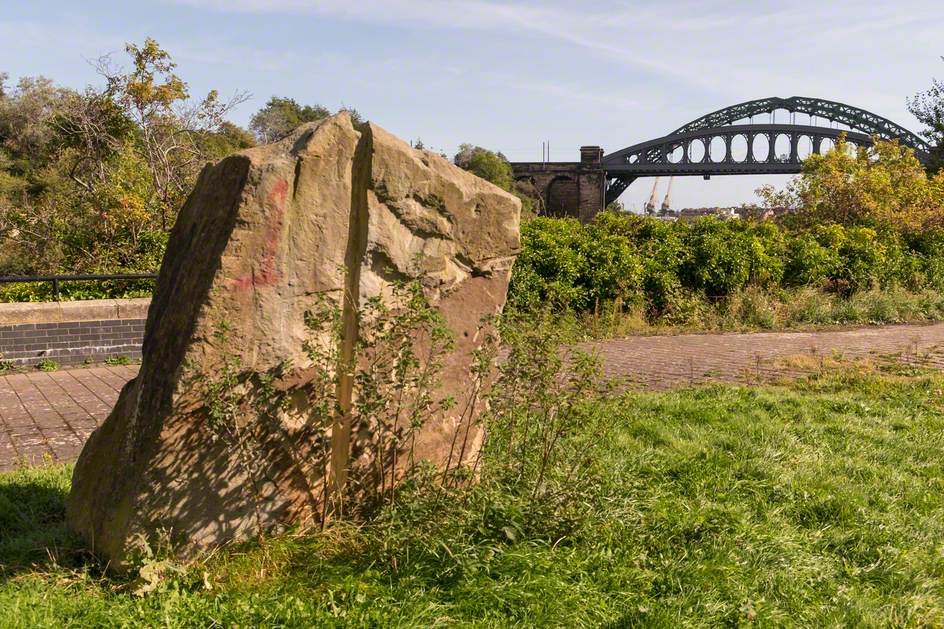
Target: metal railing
x=57, y=279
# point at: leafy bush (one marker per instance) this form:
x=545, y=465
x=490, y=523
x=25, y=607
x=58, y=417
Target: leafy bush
x=717, y=258
x=884, y=184
x=712, y=270
x=768, y=254
x=612, y=268
x=864, y=259
x=662, y=288
x=81, y=186
x=861, y=221
x=76, y=290
x=47, y=364
x=543, y=434
x=570, y=265
x=809, y=262
x=549, y=265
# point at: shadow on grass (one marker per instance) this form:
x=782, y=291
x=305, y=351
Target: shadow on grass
x=33, y=532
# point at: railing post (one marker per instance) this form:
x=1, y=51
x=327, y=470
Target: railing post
x=55, y=288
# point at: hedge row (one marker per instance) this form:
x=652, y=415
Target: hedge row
x=631, y=258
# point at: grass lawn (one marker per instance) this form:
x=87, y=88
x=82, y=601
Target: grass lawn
x=817, y=503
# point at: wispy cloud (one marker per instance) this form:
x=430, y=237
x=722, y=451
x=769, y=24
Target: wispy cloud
x=732, y=50
x=504, y=72
x=93, y=42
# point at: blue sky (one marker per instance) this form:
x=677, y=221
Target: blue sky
x=510, y=74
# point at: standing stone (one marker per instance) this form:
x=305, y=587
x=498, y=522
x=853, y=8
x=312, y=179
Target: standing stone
x=333, y=210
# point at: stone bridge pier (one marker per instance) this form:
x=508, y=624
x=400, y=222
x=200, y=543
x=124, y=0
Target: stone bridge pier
x=576, y=189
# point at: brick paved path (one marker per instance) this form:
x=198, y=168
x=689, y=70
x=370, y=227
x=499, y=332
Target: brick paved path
x=660, y=362
x=49, y=415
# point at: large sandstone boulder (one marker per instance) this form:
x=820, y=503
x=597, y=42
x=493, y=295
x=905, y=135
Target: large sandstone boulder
x=334, y=210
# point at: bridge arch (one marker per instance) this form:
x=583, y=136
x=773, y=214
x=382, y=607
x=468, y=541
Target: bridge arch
x=718, y=143
x=562, y=193
x=751, y=149
x=853, y=117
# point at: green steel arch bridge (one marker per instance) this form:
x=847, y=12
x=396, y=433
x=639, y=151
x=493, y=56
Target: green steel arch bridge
x=706, y=147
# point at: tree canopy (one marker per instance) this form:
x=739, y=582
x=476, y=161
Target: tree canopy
x=883, y=184
x=92, y=180
x=495, y=168
x=928, y=108
x=488, y=165
x=280, y=116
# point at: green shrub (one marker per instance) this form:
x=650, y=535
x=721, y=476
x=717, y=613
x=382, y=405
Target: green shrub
x=76, y=290
x=728, y=274
x=573, y=266
x=611, y=267
x=864, y=260
x=662, y=250
x=808, y=262
x=767, y=254
x=931, y=266
x=717, y=257
x=543, y=435
x=661, y=287
x=549, y=265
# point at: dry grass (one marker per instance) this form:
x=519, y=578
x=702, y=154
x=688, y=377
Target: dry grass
x=754, y=310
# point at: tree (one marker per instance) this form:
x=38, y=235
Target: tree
x=91, y=130
x=281, y=116
x=225, y=140
x=928, y=108
x=884, y=184
x=28, y=178
x=488, y=165
x=495, y=168
x=25, y=114
x=92, y=180
x=169, y=123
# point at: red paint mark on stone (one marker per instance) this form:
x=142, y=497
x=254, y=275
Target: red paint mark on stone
x=264, y=272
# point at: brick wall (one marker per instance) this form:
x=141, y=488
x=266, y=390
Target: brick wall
x=72, y=333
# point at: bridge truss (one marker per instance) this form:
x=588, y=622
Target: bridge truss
x=704, y=146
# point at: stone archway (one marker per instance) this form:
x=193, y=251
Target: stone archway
x=563, y=194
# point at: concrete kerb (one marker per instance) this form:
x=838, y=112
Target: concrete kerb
x=68, y=311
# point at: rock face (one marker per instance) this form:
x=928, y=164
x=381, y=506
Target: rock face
x=334, y=210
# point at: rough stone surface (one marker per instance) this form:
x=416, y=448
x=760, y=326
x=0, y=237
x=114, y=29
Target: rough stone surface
x=332, y=210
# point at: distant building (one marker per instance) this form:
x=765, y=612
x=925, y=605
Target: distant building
x=743, y=212
x=692, y=213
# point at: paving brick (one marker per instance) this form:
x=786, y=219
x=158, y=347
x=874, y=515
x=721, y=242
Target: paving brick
x=47, y=416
